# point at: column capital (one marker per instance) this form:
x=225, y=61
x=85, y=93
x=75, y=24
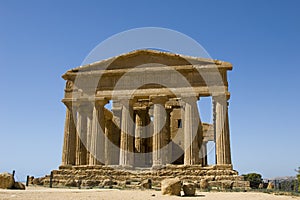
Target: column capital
x=221, y=98
x=158, y=99
x=189, y=98
x=84, y=107
x=140, y=109
x=68, y=104
x=101, y=101
x=71, y=102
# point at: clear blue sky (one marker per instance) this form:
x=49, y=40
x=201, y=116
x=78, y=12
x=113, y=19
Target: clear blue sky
x=40, y=40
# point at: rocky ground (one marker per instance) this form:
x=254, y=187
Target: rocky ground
x=43, y=193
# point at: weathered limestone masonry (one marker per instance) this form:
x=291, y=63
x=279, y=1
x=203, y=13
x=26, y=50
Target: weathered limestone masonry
x=154, y=129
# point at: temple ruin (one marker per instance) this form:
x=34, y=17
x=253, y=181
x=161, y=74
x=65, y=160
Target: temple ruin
x=152, y=127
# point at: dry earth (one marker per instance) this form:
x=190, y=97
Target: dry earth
x=34, y=193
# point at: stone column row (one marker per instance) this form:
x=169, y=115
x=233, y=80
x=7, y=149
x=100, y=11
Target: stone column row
x=84, y=133
x=92, y=129
x=133, y=139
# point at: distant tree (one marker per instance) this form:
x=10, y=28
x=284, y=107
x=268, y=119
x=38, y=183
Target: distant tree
x=298, y=176
x=254, y=179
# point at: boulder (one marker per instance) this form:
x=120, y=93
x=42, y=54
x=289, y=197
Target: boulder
x=204, y=184
x=189, y=189
x=146, y=184
x=197, y=184
x=171, y=186
x=19, y=186
x=30, y=180
x=7, y=180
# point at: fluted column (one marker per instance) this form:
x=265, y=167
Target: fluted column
x=127, y=133
x=140, y=134
x=166, y=138
x=81, y=139
x=109, y=148
x=148, y=140
x=69, y=146
x=221, y=127
x=89, y=131
x=116, y=129
x=204, y=153
x=159, y=119
x=191, y=125
x=98, y=133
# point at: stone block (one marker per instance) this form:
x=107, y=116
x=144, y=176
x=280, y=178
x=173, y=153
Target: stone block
x=6, y=180
x=19, y=186
x=204, y=184
x=146, y=184
x=171, y=186
x=189, y=189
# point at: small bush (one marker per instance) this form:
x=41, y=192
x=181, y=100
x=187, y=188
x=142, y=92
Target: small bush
x=254, y=179
x=298, y=176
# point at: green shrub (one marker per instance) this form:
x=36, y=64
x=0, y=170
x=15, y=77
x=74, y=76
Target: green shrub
x=298, y=183
x=298, y=176
x=254, y=179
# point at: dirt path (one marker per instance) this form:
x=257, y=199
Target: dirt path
x=40, y=193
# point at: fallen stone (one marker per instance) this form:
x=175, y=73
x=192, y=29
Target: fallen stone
x=146, y=184
x=18, y=186
x=189, y=189
x=197, y=184
x=7, y=181
x=171, y=186
x=30, y=180
x=203, y=184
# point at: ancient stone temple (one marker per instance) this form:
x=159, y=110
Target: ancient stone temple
x=135, y=116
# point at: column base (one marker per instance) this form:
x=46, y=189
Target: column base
x=225, y=166
x=156, y=167
x=65, y=166
x=128, y=167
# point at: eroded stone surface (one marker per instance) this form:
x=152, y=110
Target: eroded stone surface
x=6, y=180
x=171, y=186
x=18, y=186
x=146, y=184
x=189, y=189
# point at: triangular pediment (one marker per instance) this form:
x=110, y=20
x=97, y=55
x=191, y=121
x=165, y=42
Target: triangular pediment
x=140, y=58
